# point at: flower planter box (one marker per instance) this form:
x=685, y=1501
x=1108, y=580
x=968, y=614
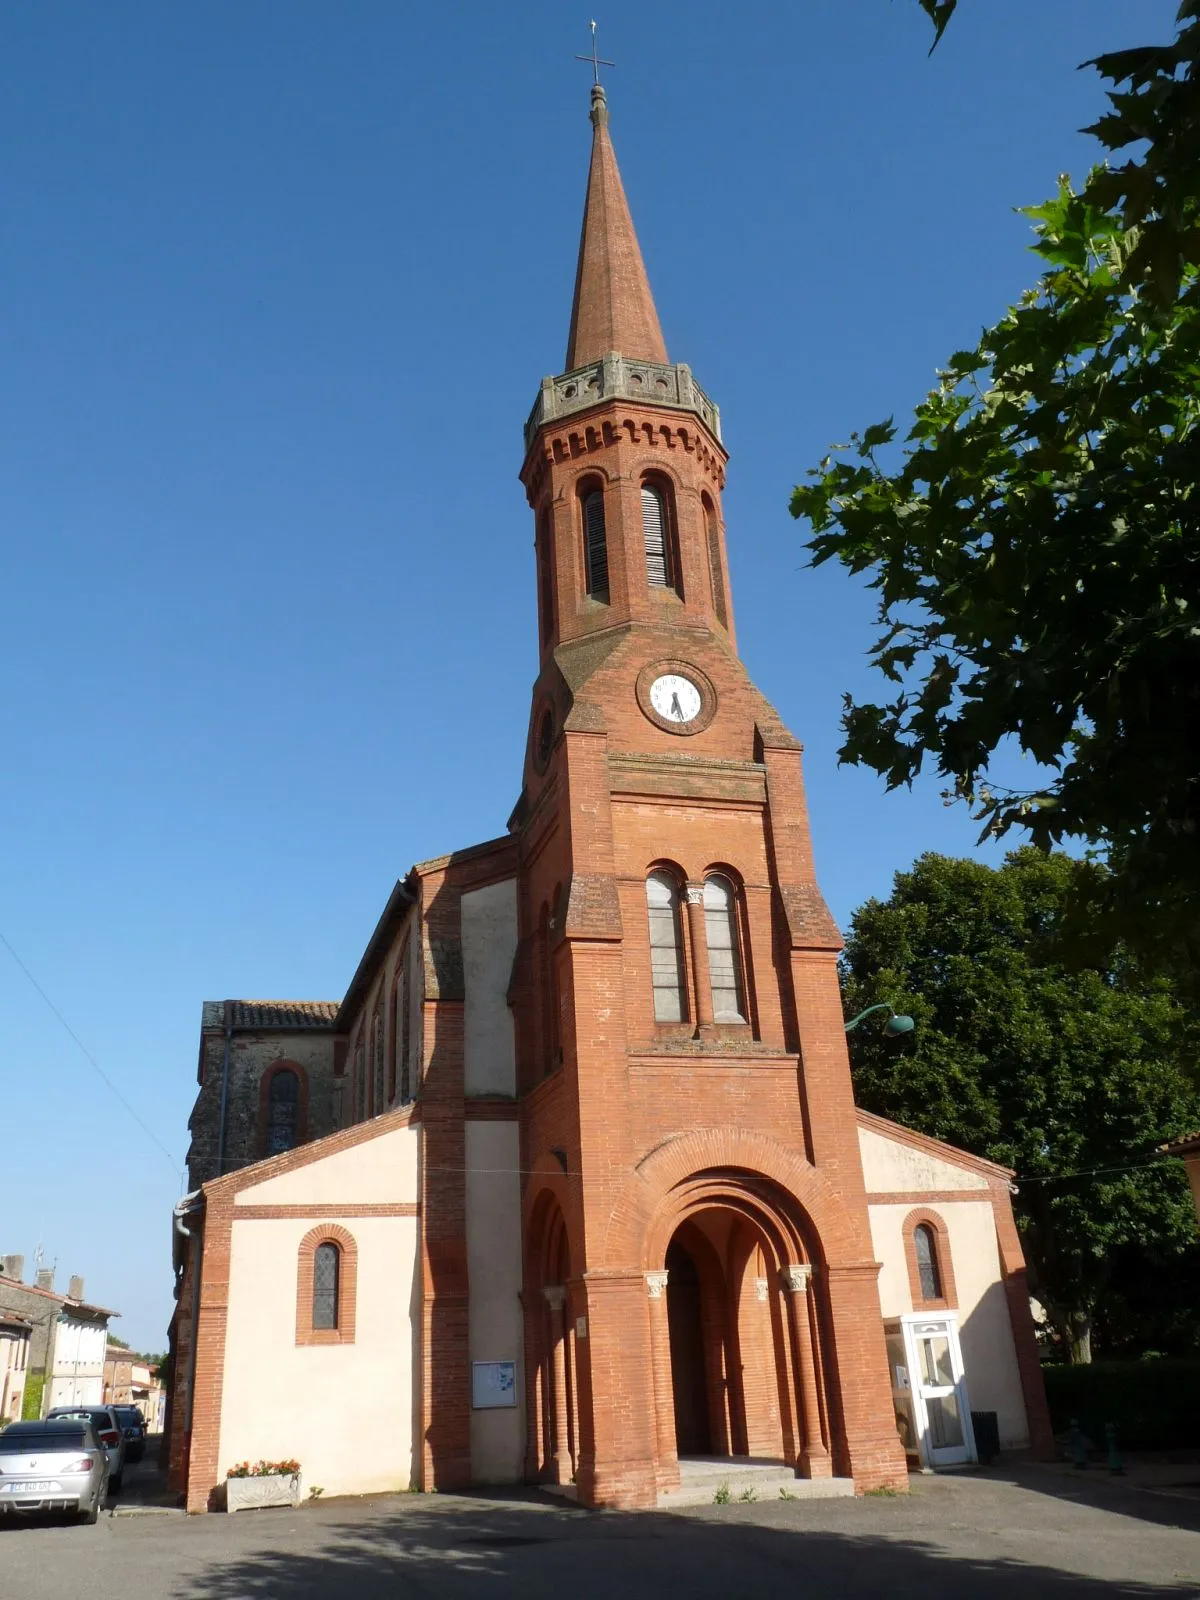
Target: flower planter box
x=277, y=1489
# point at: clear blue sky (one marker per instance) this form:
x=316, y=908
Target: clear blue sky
x=279, y=283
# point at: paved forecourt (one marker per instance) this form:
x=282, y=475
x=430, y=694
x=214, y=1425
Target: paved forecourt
x=1036, y=1532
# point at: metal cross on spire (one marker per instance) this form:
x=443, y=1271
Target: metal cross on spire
x=596, y=61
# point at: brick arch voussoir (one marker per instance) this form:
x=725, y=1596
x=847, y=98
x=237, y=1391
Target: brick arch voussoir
x=645, y=1193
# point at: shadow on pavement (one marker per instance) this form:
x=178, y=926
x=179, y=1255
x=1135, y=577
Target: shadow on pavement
x=466, y=1549
x=1127, y=1496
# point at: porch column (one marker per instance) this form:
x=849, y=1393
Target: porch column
x=698, y=939
x=814, y=1459
x=667, y=1471
x=535, y=1397
x=560, y=1462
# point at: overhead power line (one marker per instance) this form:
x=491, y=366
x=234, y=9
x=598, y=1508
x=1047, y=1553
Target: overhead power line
x=91, y=1060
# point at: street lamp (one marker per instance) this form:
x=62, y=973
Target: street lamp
x=894, y=1027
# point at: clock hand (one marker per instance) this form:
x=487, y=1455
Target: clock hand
x=676, y=708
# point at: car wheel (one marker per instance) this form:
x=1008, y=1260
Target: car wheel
x=90, y=1516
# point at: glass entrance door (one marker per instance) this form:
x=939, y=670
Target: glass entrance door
x=939, y=1391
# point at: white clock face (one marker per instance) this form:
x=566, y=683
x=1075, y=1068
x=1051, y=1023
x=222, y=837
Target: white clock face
x=675, y=698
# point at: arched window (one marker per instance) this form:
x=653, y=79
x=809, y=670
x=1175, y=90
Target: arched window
x=404, y=1009
x=283, y=1112
x=327, y=1270
x=595, y=544
x=930, y=1268
x=360, y=1080
x=379, y=1063
x=925, y=1245
x=724, y=956
x=713, y=534
x=397, y=1071
x=666, y=948
x=545, y=580
x=656, y=536
x=326, y=1286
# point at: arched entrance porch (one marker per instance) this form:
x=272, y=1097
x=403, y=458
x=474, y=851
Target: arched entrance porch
x=551, y=1360
x=736, y=1333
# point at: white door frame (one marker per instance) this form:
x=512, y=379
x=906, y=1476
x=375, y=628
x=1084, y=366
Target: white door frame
x=916, y=1327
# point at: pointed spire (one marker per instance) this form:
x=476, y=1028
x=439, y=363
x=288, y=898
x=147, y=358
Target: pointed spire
x=613, y=308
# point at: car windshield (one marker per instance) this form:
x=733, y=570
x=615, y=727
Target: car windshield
x=19, y=1442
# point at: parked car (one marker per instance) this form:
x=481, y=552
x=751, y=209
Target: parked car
x=107, y=1427
x=133, y=1426
x=56, y=1465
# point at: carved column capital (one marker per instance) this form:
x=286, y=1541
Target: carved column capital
x=761, y=1287
x=694, y=893
x=556, y=1297
x=796, y=1279
x=656, y=1283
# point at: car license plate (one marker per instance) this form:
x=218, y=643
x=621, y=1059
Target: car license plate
x=32, y=1486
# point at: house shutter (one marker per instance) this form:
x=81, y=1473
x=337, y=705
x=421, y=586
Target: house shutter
x=654, y=534
x=596, y=545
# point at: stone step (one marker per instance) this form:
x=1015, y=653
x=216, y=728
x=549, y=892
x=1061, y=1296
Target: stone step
x=700, y=1483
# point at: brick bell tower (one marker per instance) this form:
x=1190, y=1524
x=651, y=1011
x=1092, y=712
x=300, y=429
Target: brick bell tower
x=699, y=1277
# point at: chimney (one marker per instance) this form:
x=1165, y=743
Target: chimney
x=14, y=1267
x=75, y=1287
x=45, y=1278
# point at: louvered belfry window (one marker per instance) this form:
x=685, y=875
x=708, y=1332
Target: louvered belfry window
x=666, y=947
x=655, y=536
x=327, y=1266
x=724, y=958
x=595, y=544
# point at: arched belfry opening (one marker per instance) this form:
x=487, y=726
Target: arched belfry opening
x=736, y=1333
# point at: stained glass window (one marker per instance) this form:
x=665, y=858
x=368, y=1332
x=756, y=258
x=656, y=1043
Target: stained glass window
x=327, y=1266
x=283, y=1112
x=927, y=1262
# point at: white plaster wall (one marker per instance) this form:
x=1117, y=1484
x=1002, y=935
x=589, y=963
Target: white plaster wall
x=376, y=1172
x=344, y=1411
x=489, y=942
x=496, y=1329
x=77, y=1378
x=888, y=1164
x=989, y=1355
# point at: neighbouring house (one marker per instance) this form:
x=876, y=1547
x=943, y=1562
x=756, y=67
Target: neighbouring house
x=15, y=1333
x=68, y=1337
x=129, y=1380
x=1187, y=1149
x=569, y=1186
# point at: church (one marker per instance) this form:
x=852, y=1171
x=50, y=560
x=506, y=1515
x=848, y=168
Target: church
x=569, y=1188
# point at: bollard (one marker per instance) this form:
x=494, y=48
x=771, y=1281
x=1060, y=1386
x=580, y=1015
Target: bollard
x=1115, y=1465
x=1076, y=1444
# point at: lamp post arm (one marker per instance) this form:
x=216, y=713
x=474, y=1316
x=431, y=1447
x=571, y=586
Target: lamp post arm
x=883, y=1006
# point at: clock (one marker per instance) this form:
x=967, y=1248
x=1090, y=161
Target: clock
x=676, y=698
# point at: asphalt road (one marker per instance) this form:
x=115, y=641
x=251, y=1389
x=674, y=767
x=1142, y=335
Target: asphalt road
x=1033, y=1534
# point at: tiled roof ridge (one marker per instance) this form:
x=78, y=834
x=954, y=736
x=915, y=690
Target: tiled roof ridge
x=59, y=1295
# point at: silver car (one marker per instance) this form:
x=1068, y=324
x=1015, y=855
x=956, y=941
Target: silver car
x=54, y=1465
x=108, y=1430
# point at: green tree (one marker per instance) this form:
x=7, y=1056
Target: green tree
x=1035, y=544
x=1047, y=1068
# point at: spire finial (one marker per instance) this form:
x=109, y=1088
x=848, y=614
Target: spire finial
x=597, y=62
